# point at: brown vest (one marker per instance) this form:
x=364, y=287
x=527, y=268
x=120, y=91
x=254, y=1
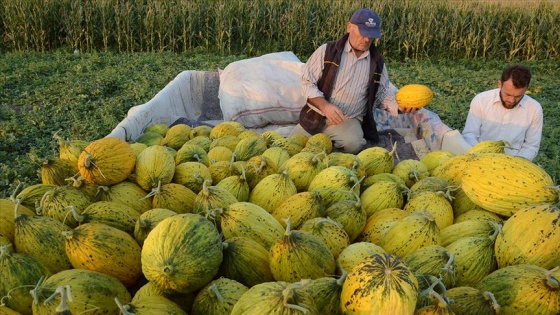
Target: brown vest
x=325, y=83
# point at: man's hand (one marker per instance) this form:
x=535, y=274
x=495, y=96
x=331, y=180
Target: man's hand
x=333, y=113
x=407, y=110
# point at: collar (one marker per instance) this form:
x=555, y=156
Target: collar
x=348, y=49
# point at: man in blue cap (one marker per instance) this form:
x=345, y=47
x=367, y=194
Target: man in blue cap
x=343, y=81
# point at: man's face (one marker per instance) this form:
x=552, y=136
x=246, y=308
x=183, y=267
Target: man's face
x=509, y=94
x=357, y=41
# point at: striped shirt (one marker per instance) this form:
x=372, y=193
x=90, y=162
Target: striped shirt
x=351, y=82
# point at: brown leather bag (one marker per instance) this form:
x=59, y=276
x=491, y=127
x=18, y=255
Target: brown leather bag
x=311, y=120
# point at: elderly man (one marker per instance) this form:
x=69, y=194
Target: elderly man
x=343, y=81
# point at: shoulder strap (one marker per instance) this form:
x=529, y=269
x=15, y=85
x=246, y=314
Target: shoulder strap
x=331, y=62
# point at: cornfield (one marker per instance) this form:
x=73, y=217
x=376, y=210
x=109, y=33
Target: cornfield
x=416, y=29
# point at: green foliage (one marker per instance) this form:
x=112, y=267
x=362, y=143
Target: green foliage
x=84, y=96
x=417, y=29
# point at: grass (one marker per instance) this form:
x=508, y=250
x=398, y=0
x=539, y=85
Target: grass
x=84, y=96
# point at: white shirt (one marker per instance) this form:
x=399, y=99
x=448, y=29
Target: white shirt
x=520, y=126
x=350, y=86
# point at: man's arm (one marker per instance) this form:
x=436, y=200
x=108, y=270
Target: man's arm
x=312, y=72
x=530, y=147
x=385, y=98
x=471, y=132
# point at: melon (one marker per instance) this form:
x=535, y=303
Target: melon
x=475, y=258
x=182, y=253
x=245, y=219
x=9, y=210
x=249, y=147
x=106, y=161
x=212, y=197
x=148, y=221
x=326, y=293
x=191, y=175
x=103, y=248
x=176, y=136
x=154, y=166
x=411, y=171
x=377, y=160
x=436, y=203
x=30, y=196
x=350, y=215
x=303, y=167
x=382, y=284
x=191, y=152
x=271, y=191
x=127, y=193
x=56, y=204
x=335, y=183
x=434, y=260
x=331, y=232
x=237, y=185
x=17, y=272
x=277, y=297
x=111, y=213
x=240, y=252
x=174, y=197
x=154, y=304
x=471, y=301
x=414, y=96
x=379, y=223
x=416, y=230
x=435, y=158
x=55, y=171
x=41, y=237
x=530, y=236
x=256, y=169
x=92, y=293
x=354, y=254
x=300, y=255
x=523, y=289
x=382, y=195
x=218, y=297
x=299, y=208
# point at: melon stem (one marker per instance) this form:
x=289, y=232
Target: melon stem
x=441, y=302
x=205, y=186
x=35, y=292
x=288, y=295
x=214, y=289
x=78, y=217
x=39, y=209
x=288, y=226
x=551, y=281
x=14, y=194
x=168, y=270
x=342, y=278
x=4, y=252
x=447, y=268
x=125, y=309
x=493, y=303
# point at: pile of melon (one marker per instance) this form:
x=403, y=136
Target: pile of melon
x=223, y=220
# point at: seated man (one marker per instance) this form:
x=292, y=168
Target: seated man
x=344, y=80
x=506, y=113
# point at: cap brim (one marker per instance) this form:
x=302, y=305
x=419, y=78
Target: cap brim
x=369, y=31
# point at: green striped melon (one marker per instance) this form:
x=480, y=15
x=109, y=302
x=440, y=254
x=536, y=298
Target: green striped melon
x=382, y=284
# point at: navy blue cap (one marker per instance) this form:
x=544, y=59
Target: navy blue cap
x=368, y=23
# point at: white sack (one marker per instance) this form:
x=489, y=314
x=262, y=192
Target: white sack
x=263, y=90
